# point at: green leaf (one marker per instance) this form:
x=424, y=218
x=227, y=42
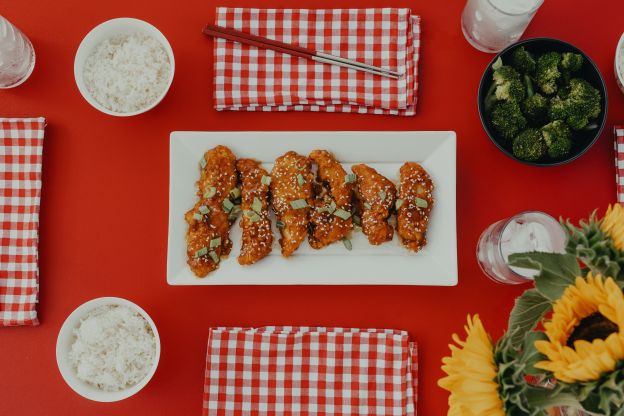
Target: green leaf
x=528, y=310
x=531, y=355
x=552, y=285
x=556, y=271
x=557, y=263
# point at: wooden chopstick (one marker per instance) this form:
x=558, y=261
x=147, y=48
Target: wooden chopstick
x=295, y=50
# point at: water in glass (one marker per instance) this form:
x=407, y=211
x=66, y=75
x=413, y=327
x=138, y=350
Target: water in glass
x=492, y=25
x=17, y=56
x=522, y=233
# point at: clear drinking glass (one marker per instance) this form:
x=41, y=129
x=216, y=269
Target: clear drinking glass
x=522, y=233
x=17, y=56
x=492, y=25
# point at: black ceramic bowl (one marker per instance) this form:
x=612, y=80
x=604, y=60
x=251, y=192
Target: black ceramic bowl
x=583, y=139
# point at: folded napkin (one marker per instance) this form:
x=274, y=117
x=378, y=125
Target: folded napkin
x=618, y=131
x=310, y=371
x=251, y=79
x=21, y=144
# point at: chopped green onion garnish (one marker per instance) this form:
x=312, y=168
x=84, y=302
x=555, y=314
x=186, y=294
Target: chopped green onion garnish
x=350, y=178
x=234, y=213
x=253, y=217
x=299, y=204
x=421, y=203
x=332, y=207
x=203, y=209
x=266, y=180
x=341, y=213
x=201, y=252
x=280, y=224
x=202, y=163
x=198, y=217
x=215, y=242
x=399, y=203
x=367, y=205
x=382, y=195
x=210, y=192
x=257, y=205
x=214, y=256
x=347, y=244
x=357, y=220
x=235, y=193
x=300, y=179
x=227, y=205
x=322, y=209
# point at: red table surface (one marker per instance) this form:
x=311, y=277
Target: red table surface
x=105, y=193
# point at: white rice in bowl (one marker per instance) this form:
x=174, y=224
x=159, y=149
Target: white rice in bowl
x=127, y=73
x=114, y=348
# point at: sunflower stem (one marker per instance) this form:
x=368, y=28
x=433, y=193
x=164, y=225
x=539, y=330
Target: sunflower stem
x=544, y=399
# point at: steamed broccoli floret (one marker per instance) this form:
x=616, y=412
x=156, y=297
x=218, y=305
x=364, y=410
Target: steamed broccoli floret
x=508, y=84
x=535, y=108
x=529, y=145
x=585, y=97
x=523, y=61
x=558, y=138
x=547, y=72
x=577, y=121
x=580, y=106
x=557, y=109
x=507, y=119
x=570, y=63
x=563, y=91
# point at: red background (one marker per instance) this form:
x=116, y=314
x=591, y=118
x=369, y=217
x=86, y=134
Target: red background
x=104, y=206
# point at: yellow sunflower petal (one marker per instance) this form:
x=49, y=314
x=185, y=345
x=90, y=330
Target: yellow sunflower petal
x=471, y=374
x=587, y=360
x=613, y=225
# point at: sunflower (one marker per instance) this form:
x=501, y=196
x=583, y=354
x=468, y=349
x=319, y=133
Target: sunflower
x=471, y=374
x=586, y=331
x=613, y=225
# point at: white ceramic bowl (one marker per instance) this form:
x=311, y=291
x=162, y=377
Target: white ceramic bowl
x=115, y=27
x=619, y=76
x=66, y=338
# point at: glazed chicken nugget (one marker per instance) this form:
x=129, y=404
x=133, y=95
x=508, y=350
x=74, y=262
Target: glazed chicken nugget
x=330, y=220
x=206, y=238
x=209, y=222
x=257, y=236
x=414, y=205
x=218, y=175
x=292, y=197
x=375, y=196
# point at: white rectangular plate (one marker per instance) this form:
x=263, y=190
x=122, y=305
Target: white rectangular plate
x=387, y=264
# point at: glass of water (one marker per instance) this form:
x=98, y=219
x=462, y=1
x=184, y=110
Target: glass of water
x=492, y=25
x=526, y=232
x=17, y=56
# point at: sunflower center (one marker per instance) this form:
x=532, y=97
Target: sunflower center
x=594, y=326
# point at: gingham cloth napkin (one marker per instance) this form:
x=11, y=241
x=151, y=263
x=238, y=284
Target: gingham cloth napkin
x=310, y=371
x=21, y=145
x=618, y=131
x=251, y=79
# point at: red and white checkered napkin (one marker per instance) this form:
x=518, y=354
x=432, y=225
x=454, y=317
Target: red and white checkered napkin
x=252, y=79
x=310, y=371
x=618, y=131
x=21, y=145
